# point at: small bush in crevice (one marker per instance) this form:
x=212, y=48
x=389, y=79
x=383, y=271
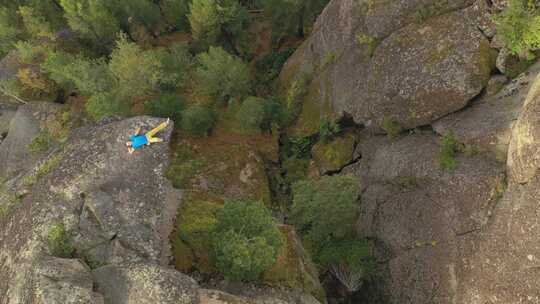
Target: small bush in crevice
x=449, y=148
x=41, y=142
x=58, y=241
x=198, y=120
x=370, y=42
x=391, y=127
x=270, y=66
x=328, y=130
x=28, y=52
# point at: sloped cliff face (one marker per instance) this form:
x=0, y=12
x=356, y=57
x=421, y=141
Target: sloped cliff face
x=467, y=235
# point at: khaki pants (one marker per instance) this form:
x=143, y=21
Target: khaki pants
x=150, y=135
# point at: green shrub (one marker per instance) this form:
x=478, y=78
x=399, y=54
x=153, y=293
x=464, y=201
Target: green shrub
x=176, y=64
x=58, y=241
x=295, y=169
x=205, y=21
x=210, y=20
x=299, y=146
x=175, y=13
x=328, y=130
x=250, y=115
x=9, y=30
x=167, y=105
x=246, y=240
x=325, y=212
x=136, y=71
x=222, y=76
x=35, y=23
x=28, y=52
x=269, y=66
x=292, y=17
x=106, y=104
x=275, y=115
x=449, y=148
x=198, y=120
x=93, y=19
x=41, y=142
x=88, y=76
x=519, y=27
x=326, y=208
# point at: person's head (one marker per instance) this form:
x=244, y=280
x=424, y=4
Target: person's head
x=129, y=143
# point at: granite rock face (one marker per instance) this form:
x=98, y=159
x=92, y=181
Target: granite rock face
x=145, y=283
x=419, y=213
x=25, y=124
x=523, y=158
x=93, y=173
x=406, y=61
x=487, y=124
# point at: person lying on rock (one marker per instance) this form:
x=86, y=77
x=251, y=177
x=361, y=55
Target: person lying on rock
x=138, y=141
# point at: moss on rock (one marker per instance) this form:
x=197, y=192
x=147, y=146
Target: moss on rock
x=334, y=155
x=192, y=240
x=294, y=268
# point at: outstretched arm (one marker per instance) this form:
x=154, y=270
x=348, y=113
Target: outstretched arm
x=138, y=131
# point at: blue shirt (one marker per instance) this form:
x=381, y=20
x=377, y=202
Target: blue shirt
x=137, y=141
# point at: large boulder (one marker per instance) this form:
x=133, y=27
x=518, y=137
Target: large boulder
x=145, y=283
x=417, y=213
x=114, y=191
x=487, y=124
x=391, y=65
